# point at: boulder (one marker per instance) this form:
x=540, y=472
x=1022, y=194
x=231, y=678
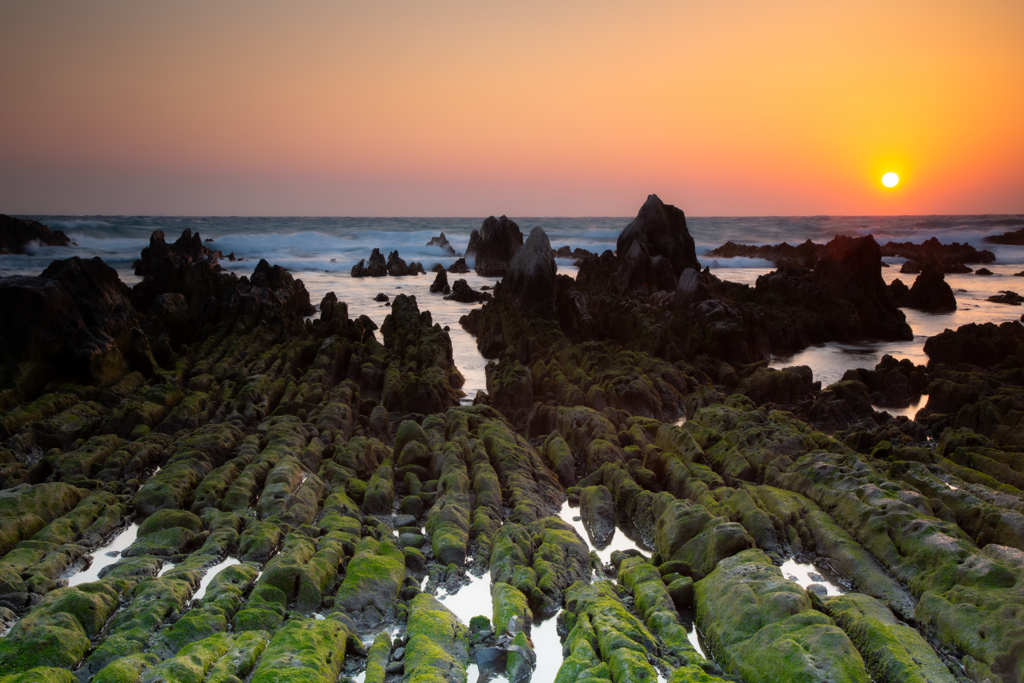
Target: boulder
x=531, y=277
x=459, y=267
x=689, y=289
x=1007, y=297
x=16, y=233
x=493, y=245
x=661, y=230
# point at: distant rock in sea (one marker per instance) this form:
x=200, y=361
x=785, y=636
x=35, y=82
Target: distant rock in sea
x=441, y=242
x=16, y=233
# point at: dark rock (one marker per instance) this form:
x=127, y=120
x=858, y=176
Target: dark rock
x=440, y=283
x=1007, y=297
x=575, y=254
x=397, y=267
x=787, y=386
x=805, y=255
x=531, y=277
x=689, y=290
x=982, y=345
x=1014, y=237
x=377, y=267
x=459, y=267
x=185, y=267
x=74, y=318
x=597, y=508
x=930, y=293
x=661, y=229
x=983, y=271
x=437, y=268
x=463, y=293
x=441, y=242
x=16, y=233
x=381, y=296
x=493, y=245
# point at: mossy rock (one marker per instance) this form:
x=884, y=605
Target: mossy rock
x=306, y=650
x=438, y=644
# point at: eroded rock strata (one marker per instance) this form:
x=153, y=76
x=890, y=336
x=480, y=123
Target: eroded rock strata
x=292, y=498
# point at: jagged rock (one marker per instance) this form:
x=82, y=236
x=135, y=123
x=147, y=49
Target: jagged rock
x=661, y=230
x=441, y=242
x=493, y=245
x=440, y=283
x=463, y=293
x=803, y=256
x=530, y=282
x=459, y=267
x=576, y=254
x=16, y=233
x=930, y=293
x=377, y=267
x=1014, y=237
x=396, y=266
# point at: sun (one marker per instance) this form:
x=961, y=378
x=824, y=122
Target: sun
x=890, y=179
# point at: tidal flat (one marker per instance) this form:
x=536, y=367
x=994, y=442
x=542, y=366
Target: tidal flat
x=633, y=473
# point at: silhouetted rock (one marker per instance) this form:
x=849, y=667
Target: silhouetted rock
x=185, y=267
x=459, y=267
x=15, y=233
x=575, y=254
x=982, y=345
x=1007, y=297
x=440, y=283
x=462, y=292
x=531, y=277
x=930, y=292
x=493, y=245
x=72, y=320
x=381, y=296
x=983, y=271
x=1015, y=237
x=690, y=289
x=661, y=229
x=933, y=255
x=441, y=242
x=803, y=256
x=397, y=267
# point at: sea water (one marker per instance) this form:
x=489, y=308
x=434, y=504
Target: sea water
x=322, y=250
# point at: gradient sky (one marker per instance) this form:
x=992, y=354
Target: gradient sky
x=251, y=107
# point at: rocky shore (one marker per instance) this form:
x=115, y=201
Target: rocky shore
x=294, y=492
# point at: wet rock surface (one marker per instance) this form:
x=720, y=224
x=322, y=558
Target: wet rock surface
x=306, y=499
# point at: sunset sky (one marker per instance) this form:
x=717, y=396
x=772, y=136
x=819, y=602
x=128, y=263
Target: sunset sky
x=525, y=108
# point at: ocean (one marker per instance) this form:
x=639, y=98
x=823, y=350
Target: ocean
x=322, y=250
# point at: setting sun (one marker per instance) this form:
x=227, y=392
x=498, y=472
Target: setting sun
x=890, y=179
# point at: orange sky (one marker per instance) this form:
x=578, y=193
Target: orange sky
x=525, y=108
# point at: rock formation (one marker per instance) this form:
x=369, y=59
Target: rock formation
x=17, y=233
x=493, y=245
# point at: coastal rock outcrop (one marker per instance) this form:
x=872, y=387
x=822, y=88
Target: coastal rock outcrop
x=397, y=266
x=493, y=245
x=440, y=283
x=73, y=320
x=930, y=292
x=17, y=233
x=463, y=293
x=530, y=281
x=660, y=229
x=442, y=243
x=377, y=267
